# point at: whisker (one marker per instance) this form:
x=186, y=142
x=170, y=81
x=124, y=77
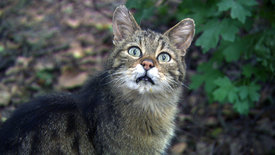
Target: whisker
x=184, y=85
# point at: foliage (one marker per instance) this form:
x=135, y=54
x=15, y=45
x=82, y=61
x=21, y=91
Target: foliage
x=144, y=8
x=238, y=36
x=239, y=41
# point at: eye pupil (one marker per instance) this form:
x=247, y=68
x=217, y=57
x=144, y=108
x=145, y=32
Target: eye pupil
x=163, y=57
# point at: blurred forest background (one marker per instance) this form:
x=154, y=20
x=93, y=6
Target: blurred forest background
x=228, y=106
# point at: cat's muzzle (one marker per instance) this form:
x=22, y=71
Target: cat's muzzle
x=146, y=79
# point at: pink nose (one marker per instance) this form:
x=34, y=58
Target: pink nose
x=147, y=64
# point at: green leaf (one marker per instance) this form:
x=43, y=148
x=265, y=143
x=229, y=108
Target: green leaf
x=145, y=8
x=210, y=36
x=225, y=5
x=249, y=92
x=212, y=31
x=189, y=9
x=248, y=70
x=243, y=92
x=229, y=30
x=133, y=4
x=242, y=107
x=210, y=78
x=197, y=81
x=210, y=75
x=253, y=92
x=223, y=82
x=248, y=2
x=207, y=75
x=220, y=94
x=148, y=12
x=237, y=8
x=239, y=12
x=232, y=96
x=232, y=52
x=225, y=87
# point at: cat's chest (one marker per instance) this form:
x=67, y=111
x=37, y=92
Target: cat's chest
x=148, y=135
x=149, y=115
x=150, y=127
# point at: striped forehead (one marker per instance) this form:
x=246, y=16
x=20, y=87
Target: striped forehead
x=151, y=42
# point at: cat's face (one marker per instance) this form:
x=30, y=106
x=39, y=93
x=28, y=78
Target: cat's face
x=145, y=61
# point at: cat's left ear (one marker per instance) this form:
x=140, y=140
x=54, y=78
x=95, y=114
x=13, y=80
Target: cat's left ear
x=181, y=35
x=124, y=24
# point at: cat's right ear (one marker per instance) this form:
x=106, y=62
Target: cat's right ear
x=124, y=24
x=181, y=35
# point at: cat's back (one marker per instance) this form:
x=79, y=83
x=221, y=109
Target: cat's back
x=47, y=125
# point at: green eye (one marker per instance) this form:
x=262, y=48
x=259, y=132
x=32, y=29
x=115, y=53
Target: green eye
x=164, y=57
x=134, y=51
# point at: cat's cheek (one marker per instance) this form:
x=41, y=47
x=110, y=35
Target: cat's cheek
x=128, y=79
x=154, y=74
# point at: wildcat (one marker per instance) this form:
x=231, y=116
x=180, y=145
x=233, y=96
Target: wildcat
x=127, y=109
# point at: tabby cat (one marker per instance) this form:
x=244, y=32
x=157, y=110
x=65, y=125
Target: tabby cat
x=127, y=109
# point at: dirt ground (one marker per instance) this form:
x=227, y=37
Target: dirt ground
x=53, y=46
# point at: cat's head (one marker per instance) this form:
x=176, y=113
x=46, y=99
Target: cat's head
x=145, y=61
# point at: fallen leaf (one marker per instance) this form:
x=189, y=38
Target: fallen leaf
x=73, y=23
x=211, y=121
x=71, y=80
x=5, y=95
x=44, y=64
x=179, y=148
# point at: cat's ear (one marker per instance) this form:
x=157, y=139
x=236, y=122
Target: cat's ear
x=181, y=35
x=124, y=24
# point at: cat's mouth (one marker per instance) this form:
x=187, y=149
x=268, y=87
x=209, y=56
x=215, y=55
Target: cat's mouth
x=146, y=79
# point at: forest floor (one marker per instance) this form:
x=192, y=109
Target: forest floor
x=51, y=46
